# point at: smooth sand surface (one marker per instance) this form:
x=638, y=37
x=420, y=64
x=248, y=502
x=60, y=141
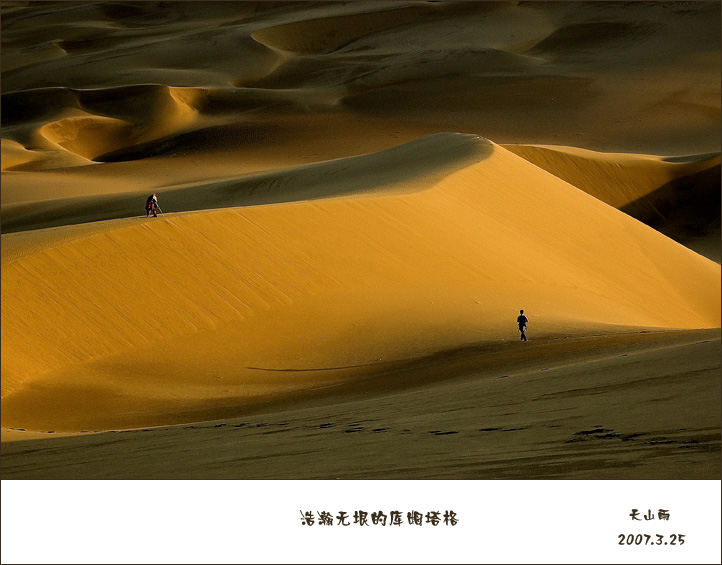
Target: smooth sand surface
x=358, y=198
x=333, y=282
x=632, y=406
x=678, y=196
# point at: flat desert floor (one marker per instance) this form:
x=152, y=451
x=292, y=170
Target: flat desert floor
x=356, y=201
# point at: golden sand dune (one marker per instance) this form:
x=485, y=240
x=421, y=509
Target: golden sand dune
x=326, y=239
x=679, y=196
x=615, y=178
x=15, y=155
x=194, y=313
x=410, y=167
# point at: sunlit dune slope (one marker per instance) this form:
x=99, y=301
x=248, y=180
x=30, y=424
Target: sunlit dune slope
x=204, y=313
x=615, y=178
x=679, y=196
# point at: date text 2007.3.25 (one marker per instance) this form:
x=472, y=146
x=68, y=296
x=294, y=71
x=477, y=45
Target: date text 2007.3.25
x=646, y=539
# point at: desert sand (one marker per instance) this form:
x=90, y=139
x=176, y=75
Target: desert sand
x=357, y=200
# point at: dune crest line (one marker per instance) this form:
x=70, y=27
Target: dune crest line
x=331, y=282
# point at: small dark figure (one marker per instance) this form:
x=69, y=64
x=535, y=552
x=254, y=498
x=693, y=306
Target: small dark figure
x=151, y=206
x=522, y=320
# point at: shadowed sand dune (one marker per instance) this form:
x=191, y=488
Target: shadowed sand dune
x=504, y=415
x=410, y=167
x=614, y=178
x=91, y=122
x=328, y=34
x=358, y=198
x=678, y=196
x=686, y=209
x=644, y=67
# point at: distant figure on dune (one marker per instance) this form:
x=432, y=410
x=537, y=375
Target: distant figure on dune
x=522, y=320
x=151, y=206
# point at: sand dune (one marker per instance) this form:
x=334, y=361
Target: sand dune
x=410, y=167
x=678, y=196
x=615, y=178
x=687, y=210
x=389, y=61
x=92, y=122
x=359, y=197
x=282, y=286
x=328, y=34
x=492, y=415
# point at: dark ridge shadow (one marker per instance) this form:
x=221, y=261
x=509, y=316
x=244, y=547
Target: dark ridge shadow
x=237, y=136
x=590, y=35
x=685, y=208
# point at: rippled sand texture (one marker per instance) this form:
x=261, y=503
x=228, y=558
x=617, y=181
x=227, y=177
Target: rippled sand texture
x=357, y=200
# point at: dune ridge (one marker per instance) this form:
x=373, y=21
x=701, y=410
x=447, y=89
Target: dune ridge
x=408, y=167
x=91, y=122
x=303, y=273
x=366, y=61
x=678, y=196
x=358, y=199
x=614, y=178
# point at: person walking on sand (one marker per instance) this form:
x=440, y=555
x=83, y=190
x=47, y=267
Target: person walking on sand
x=151, y=206
x=522, y=320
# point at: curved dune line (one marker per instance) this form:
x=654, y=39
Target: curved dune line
x=678, y=196
x=46, y=51
x=88, y=136
x=409, y=167
x=173, y=49
x=15, y=157
x=589, y=35
x=593, y=63
x=154, y=110
x=326, y=34
x=159, y=318
x=614, y=178
x=14, y=154
x=106, y=119
x=347, y=77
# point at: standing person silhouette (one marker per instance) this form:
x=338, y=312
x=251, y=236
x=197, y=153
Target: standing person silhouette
x=522, y=320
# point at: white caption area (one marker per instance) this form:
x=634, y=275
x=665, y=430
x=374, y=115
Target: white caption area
x=261, y=522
